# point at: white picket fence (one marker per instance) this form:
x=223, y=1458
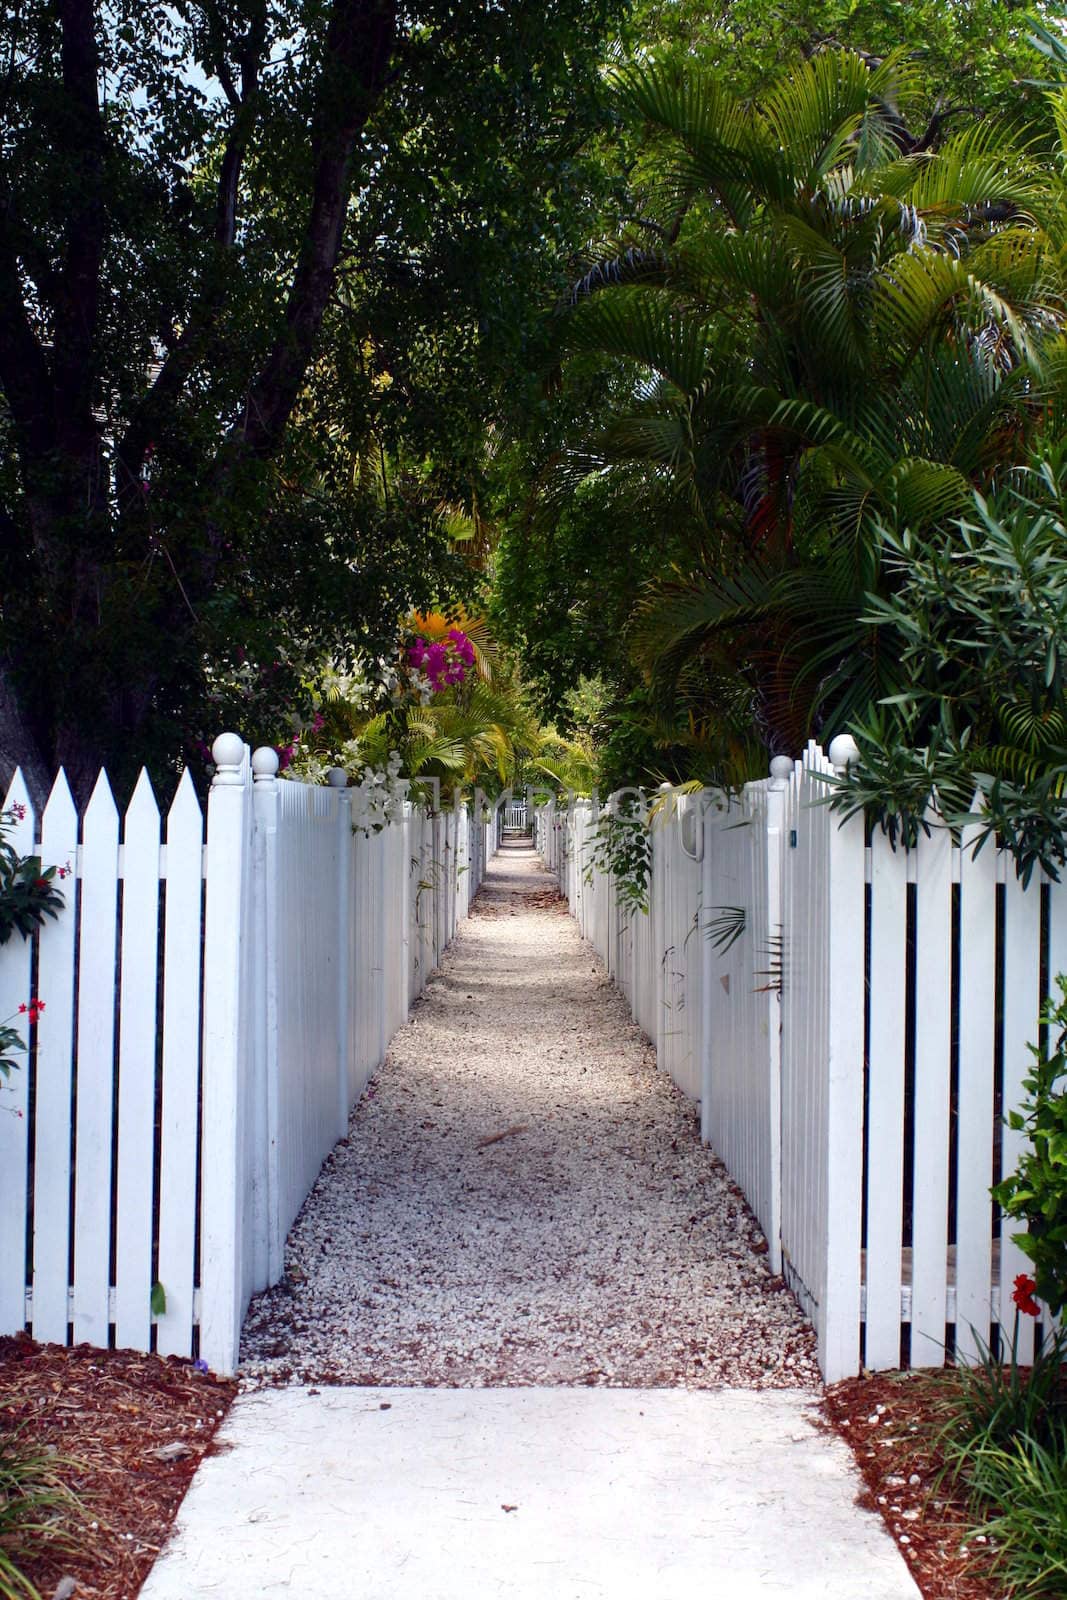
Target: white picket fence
x=854, y=1050
x=214, y=1002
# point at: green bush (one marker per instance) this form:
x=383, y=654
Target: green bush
x=1036, y=1193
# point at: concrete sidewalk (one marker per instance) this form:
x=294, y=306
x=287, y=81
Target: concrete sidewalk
x=527, y=1494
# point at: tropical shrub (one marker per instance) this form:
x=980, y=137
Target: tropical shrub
x=28, y=897
x=1036, y=1193
x=976, y=626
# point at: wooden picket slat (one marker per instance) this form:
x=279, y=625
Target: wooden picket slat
x=1022, y=1003
x=55, y=1050
x=840, y=1317
x=933, y=1046
x=135, y=1163
x=974, y=1117
x=15, y=970
x=1057, y=935
x=885, y=1109
x=95, y=1069
x=180, y=1070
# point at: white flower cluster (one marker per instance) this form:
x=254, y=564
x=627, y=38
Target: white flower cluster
x=354, y=687
x=378, y=799
x=389, y=679
x=422, y=685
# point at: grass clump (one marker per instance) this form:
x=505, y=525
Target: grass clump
x=1005, y=1445
x=37, y=1510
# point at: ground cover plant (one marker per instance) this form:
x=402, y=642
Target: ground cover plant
x=97, y=1448
x=39, y=1516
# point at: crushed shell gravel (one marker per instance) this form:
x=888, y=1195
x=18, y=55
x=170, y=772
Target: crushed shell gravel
x=595, y=1242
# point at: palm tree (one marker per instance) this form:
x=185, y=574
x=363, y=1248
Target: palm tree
x=828, y=338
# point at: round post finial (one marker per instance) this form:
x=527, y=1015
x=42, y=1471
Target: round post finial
x=337, y=778
x=844, y=752
x=228, y=754
x=781, y=767
x=265, y=764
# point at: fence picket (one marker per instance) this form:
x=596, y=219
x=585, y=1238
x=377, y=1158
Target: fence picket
x=1022, y=1002
x=839, y=1332
x=974, y=1118
x=15, y=972
x=1057, y=935
x=135, y=1164
x=885, y=1103
x=180, y=1069
x=933, y=1053
x=55, y=1046
x=96, y=1066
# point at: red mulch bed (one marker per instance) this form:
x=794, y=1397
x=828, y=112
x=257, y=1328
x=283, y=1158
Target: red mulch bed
x=891, y=1420
x=111, y=1415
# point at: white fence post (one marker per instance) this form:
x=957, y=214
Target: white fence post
x=839, y=1332
x=267, y=1231
x=225, y=1057
x=338, y=780
x=777, y=790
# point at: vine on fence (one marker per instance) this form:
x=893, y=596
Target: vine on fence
x=622, y=846
x=28, y=896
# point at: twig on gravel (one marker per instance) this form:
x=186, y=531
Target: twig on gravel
x=505, y=1133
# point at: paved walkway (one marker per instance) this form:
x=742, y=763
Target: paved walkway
x=527, y=1494
x=567, y=1372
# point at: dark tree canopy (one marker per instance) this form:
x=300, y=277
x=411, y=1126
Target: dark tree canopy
x=267, y=271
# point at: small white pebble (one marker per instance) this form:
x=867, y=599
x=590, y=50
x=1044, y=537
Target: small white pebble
x=904, y=1538
x=911, y=1516
x=914, y=1479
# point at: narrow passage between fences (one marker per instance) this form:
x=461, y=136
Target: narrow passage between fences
x=523, y=1198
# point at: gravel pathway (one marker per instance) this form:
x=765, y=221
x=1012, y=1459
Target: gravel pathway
x=523, y=1199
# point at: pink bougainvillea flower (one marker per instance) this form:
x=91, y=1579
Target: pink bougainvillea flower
x=1023, y=1295
x=18, y=812
x=464, y=648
